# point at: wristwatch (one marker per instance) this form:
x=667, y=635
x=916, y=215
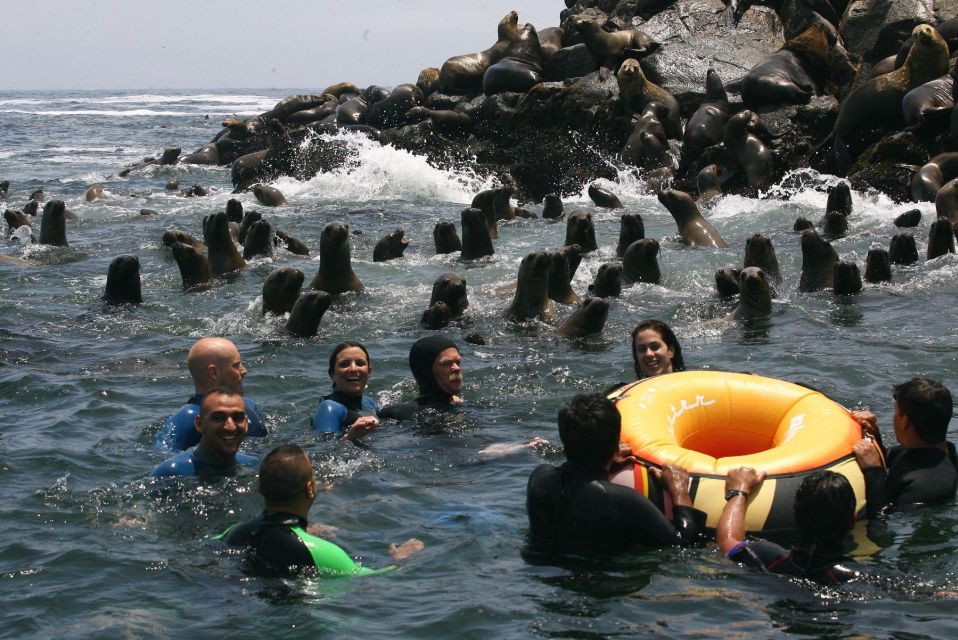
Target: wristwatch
x=731, y=493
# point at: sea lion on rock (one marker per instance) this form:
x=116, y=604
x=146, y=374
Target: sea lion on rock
x=708, y=184
x=750, y=154
x=292, y=244
x=847, y=279
x=818, y=262
x=268, y=196
x=588, y=319
x=834, y=225
x=693, y=227
x=640, y=262
x=611, y=47
x=647, y=146
x=173, y=236
x=519, y=69
x=580, y=230
x=314, y=114
x=631, y=228
x=249, y=219
x=390, y=246
x=223, y=254
x=250, y=169
x=259, y=240
x=840, y=199
x=16, y=219
x=335, y=273
x=476, y=241
x=877, y=266
x=123, y=281
x=903, y=250
x=446, y=238
x=450, y=289
x=306, y=314
x=428, y=81
x=194, y=267
x=783, y=78
x=706, y=127
x=53, y=224
x=911, y=218
x=755, y=295
x=281, y=290
x=446, y=121
x=941, y=238
x=435, y=317
x=391, y=111
x=927, y=101
x=932, y=175
x=602, y=197
x=946, y=201
x=759, y=252
x=351, y=111
x=877, y=103
x=463, y=75
x=94, y=193
x=608, y=282
x=552, y=207
x=560, y=279
x=727, y=282
x=532, y=290
x=635, y=91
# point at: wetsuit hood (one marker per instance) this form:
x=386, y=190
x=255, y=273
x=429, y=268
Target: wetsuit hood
x=421, y=357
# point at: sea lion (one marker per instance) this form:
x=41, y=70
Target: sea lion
x=476, y=241
x=31, y=208
x=791, y=75
x=911, y=218
x=173, y=236
x=693, y=227
x=221, y=250
x=635, y=91
x=249, y=218
x=4, y=187
x=926, y=182
x=658, y=179
x=428, y=81
x=588, y=318
x=172, y=185
x=708, y=184
x=834, y=225
x=574, y=253
x=342, y=88
x=306, y=314
x=123, y=281
x=335, y=273
x=946, y=201
x=640, y=262
x=194, y=267
x=801, y=224
x=294, y=104
x=755, y=295
x=532, y=290
x=749, y=153
x=16, y=219
x=611, y=47
x=249, y=169
x=486, y=202
x=259, y=240
x=445, y=121
x=840, y=199
x=818, y=262
x=560, y=278
x=435, y=317
x=602, y=197
x=727, y=282
x=390, y=246
x=168, y=157
x=315, y=114
x=927, y=101
x=268, y=196
x=149, y=212
x=352, y=111
x=647, y=146
x=391, y=111
x=631, y=228
x=445, y=236
x=53, y=224
x=552, y=207
x=281, y=290
x=706, y=127
x=877, y=103
x=37, y=195
x=941, y=238
x=94, y=193
x=608, y=282
x=234, y=210
x=550, y=41
x=903, y=250
x=877, y=266
x=450, y=289
x=519, y=69
x=847, y=279
x=580, y=230
x=522, y=212
x=291, y=243
x=759, y=252
x=463, y=75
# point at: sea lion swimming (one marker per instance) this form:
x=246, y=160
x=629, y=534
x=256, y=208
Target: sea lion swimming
x=531, y=299
x=249, y=218
x=631, y=228
x=306, y=314
x=602, y=197
x=123, y=281
x=693, y=227
x=941, y=238
x=903, y=250
x=268, y=196
x=759, y=252
x=926, y=182
x=446, y=239
x=450, y=289
x=291, y=243
x=194, y=266
x=911, y=218
x=552, y=207
x=259, y=240
x=588, y=318
x=560, y=278
x=223, y=255
x=16, y=219
x=335, y=273
x=640, y=262
x=818, y=261
x=94, y=193
x=580, y=230
x=847, y=279
x=281, y=290
x=173, y=236
x=755, y=295
x=608, y=282
x=877, y=266
x=390, y=246
x=946, y=201
x=839, y=199
x=53, y=224
x=476, y=241
x=727, y=282
x=708, y=184
x=436, y=316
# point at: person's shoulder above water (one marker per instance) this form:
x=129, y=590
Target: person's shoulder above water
x=179, y=430
x=186, y=463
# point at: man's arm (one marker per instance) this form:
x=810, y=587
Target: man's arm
x=731, y=525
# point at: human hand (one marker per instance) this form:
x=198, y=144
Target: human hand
x=867, y=420
x=867, y=454
x=623, y=457
x=744, y=479
x=676, y=481
x=322, y=530
x=406, y=549
x=456, y=400
x=363, y=426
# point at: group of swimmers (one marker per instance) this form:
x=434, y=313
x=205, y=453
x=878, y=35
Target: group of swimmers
x=573, y=507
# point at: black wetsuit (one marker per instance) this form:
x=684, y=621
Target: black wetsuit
x=409, y=410
x=422, y=355
x=820, y=563
x=915, y=476
x=574, y=508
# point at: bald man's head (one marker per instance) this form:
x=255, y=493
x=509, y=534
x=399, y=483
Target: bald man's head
x=215, y=362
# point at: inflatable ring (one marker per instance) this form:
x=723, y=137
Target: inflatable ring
x=709, y=422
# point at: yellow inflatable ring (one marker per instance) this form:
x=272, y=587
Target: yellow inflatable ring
x=709, y=422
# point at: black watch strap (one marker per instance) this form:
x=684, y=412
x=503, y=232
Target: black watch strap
x=731, y=493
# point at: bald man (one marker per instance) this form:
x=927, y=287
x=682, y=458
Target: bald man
x=213, y=362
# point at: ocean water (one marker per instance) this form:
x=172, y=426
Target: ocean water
x=91, y=548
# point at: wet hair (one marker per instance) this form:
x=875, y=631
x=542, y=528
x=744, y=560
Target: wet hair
x=346, y=345
x=824, y=508
x=589, y=426
x=284, y=474
x=928, y=405
x=664, y=330
x=229, y=392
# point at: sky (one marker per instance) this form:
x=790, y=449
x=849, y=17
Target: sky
x=210, y=44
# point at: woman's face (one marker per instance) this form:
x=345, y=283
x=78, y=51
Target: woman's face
x=652, y=354
x=351, y=372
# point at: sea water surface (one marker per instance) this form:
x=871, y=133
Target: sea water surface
x=90, y=547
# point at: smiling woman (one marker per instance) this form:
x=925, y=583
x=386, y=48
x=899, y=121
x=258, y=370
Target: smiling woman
x=655, y=349
x=346, y=411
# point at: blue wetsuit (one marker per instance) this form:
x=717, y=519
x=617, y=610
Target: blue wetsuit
x=339, y=410
x=198, y=462
x=179, y=431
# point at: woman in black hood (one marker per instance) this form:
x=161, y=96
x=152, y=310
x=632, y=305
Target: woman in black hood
x=435, y=362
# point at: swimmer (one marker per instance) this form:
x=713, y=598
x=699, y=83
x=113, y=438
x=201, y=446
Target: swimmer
x=222, y=425
x=923, y=469
x=655, y=349
x=436, y=364
x=279, y=541
x=573, y=508
x=213, y=362
x=824, y=513
x=346, y=412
